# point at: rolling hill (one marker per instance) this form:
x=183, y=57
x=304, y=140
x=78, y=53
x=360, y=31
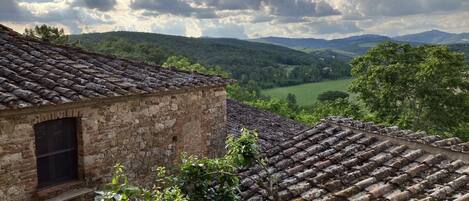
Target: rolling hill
x=322, y=43
x=267, y=65
x=461, y=47
x=435, y=37
x=358, y=45
x=345, y=47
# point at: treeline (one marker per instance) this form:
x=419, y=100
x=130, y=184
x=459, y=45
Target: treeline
x=462, y=47
x=251, y=63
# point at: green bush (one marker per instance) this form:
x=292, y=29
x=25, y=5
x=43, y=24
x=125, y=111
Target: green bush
x=199, y=179
x=332, y=95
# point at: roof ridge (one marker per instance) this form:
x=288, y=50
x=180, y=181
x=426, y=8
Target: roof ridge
x=451, y=144
x=109, y=56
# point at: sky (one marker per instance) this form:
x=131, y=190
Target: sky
x=241, y=18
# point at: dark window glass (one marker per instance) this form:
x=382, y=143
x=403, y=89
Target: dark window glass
x=56, y=151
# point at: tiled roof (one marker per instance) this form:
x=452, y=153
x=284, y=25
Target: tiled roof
x=272, y=128
x=450, y=144
x=334, y=162
x=35, y=73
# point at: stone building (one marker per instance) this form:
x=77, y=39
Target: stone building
x=67, y=116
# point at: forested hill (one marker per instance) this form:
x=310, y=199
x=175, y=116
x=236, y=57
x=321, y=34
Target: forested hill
x=323, y=43
x=435, y=37
x=463, y=47
x=347, y=48
x=267, y=65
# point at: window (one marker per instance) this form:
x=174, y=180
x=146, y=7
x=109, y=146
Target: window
x=56, y=151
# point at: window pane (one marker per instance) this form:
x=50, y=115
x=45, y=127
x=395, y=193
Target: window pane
x=57, y=168
x=55, y=135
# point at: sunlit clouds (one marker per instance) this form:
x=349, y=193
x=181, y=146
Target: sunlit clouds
x=241, y=19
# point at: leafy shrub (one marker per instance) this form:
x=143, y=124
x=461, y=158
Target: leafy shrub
x=461, y=131
x=199, y=179
x=291, y=101
x=339, y=107
x=121, y=190
x=274, y=105
x=184, y=63
x=237, y=92
x=332, y=95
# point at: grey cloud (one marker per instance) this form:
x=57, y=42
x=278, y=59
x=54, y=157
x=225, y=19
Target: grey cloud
x=101, y=5
x=231, y=4
x=10, y=11
x=300, y=8
x=36, y=1
x=207, y=8
x=72, y=18
x=290, y=8
x=262, y=18
x=405, y=7
x=288, y=19
x=175, y=7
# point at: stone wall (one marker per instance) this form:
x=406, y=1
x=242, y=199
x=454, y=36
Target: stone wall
x=139, y=132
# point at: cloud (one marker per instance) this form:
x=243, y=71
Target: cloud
x=231, y=4
x=11, y=11
x=242, y=18
x=101, y=5
x=394, y=8
x=300, y=8
x=174, y=7
x=49, y=12
x=223, y=30
x=405, y=7
x=172, y=27
x=35, y=1
x=208, y=8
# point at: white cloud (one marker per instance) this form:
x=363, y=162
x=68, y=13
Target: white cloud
x=225, y=30
x=242, y=18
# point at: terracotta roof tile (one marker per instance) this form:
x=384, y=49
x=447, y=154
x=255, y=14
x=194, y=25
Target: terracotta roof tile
x=335, y=162
x=35, y=73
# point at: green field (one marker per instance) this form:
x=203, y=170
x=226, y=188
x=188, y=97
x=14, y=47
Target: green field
x=306, y=94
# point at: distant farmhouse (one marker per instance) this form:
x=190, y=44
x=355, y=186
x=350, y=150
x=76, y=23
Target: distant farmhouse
x=67, y=116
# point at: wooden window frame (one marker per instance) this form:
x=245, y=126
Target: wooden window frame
x=73, y=150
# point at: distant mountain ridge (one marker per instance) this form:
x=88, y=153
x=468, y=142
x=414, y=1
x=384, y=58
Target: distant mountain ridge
x=435, y=37
x=322, y=43
x=357, y=45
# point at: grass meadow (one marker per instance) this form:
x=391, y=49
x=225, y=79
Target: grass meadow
x=306, y=94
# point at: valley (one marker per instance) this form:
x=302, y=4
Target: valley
x=273, y=66
x=260, y=65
